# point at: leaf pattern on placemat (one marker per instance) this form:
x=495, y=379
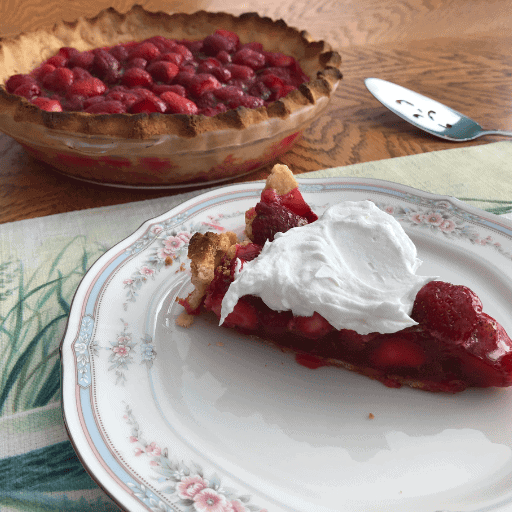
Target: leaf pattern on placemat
x=34, y=306
x=498, y=207
x=49, y=502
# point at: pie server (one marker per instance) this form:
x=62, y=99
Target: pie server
x=427, y=114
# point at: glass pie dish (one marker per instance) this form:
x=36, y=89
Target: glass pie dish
x=163, y=150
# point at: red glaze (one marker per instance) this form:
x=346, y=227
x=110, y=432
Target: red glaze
x=233, y=76
x=309, y=361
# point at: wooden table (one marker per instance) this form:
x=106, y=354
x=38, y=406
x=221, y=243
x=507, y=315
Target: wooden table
x=457, y=51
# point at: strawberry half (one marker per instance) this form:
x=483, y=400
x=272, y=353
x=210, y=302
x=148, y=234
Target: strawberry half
x=48, y=104
x=177, y=104
x=244, y=316
x=106, y=107
x=272, y=218
x=218, y=42
x=203, y=83
x=314, y=326
x=148, y=105
x=145, y=50
x=29, y=91
x=106, y=66
x=87, y=88
x=250, y=58
x=136, y=77
x=59, y=80
x=294, y=201
x=162, y=71
x=16, y=81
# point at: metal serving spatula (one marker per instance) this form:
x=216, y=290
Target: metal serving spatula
x=427, y=114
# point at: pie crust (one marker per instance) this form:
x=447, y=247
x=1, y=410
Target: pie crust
x=24, y=52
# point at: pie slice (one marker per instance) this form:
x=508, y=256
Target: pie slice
x=450, y=346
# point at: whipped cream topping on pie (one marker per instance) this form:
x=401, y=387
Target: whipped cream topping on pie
x=355, y=266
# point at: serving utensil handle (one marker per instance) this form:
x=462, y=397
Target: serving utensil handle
x=496, y=132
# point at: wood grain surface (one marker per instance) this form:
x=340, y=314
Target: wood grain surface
x=456, y=51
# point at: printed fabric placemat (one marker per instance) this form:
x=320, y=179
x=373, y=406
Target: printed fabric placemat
x=41, y=264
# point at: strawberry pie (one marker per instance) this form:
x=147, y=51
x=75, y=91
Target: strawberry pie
x=158, y=74
x=153, y=63
x=342, y=290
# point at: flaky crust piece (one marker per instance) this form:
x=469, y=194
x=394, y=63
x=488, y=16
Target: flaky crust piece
x=206, y=250
x=280, y=179
x=24, y=52
x=205, y=253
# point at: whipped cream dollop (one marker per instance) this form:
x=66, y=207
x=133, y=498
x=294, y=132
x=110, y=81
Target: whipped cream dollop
x=355, y=266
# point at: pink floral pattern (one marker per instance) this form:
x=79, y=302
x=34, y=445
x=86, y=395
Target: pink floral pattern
x=189, y=486
x=186, y=484
x=121, y=355
x=213, y=221
x=153, y=449
x=238, y=506
x=173, y=244
x=123, y=352
x=433, y=218
x=447, y=226
x=146, y=271
x=442, y=217
x=209, y=500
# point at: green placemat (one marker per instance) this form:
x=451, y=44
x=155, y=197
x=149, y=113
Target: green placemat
x=43, y=260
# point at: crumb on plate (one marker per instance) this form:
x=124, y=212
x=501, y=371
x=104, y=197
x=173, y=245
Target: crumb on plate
x=185, y=320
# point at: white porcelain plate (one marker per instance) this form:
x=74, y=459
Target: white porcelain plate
x=206, y=420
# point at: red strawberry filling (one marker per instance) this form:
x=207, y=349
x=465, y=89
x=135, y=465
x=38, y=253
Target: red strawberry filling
x=213, y=75
x=454, y=346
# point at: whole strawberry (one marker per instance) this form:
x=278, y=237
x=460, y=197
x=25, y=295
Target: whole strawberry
x=106, y=66
x=293, y=200
x=447, y=310
x=87, y=88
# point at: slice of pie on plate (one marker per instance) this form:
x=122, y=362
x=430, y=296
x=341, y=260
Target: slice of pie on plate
x=342, y=290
